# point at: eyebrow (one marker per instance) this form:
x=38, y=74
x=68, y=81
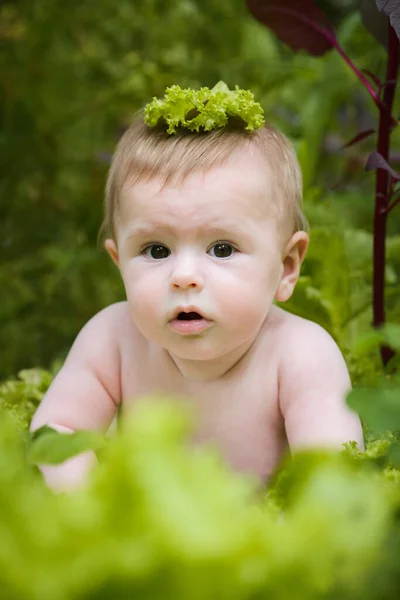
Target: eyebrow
x=150, y=229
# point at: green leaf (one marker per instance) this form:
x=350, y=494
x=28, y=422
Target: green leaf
x=388, y=334
x=220, y=87
x=48, y=446
x=368, y=342
x=379, y=408
x=394, y=455
x=391, y=335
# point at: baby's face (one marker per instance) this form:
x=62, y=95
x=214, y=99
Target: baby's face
x=201, y=261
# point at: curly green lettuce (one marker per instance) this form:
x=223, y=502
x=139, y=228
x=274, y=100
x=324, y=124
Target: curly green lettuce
x=164, y=520
x=204, y=109
x=21, y=396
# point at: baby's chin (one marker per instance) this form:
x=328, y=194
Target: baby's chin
x=203, y=356
x=203, y=350
x=190, y=348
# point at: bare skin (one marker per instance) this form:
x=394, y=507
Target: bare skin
x=261, y=380
x=250, y=414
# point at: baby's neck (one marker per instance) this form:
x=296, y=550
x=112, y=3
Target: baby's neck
x=205, y=371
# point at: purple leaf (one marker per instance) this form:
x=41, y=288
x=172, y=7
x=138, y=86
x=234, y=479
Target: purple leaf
x=376, y=161
x=360, y=136
x=391, y=8
x=298, y=23
x=374, y=21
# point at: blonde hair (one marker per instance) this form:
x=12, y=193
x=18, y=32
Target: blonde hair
x=146, y=152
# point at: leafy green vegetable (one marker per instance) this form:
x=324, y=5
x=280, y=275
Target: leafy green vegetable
x=21, y=396
x=50, y=447
x=160, y=519
x=204, y=109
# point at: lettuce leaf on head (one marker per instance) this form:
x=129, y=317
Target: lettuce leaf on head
x=204, y=109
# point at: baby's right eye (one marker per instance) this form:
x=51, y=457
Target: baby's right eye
x=156, y=251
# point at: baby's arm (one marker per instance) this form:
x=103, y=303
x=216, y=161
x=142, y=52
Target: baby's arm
x=313, y=385
x=83, y=395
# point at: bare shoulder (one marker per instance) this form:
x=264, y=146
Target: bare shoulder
x=87, y=390
x=313, y=385
x=103, y=330
x=98, y=346
x=115, y=315
x=308, y=357
x=302, y=338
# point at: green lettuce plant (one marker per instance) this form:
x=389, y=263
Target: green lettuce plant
x=161, y=519
x=21, y=396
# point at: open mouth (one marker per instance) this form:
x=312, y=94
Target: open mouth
x=190, y=316
x=190, y=323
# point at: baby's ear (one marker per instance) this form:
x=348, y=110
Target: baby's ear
x=112, y=250
x=293, y=256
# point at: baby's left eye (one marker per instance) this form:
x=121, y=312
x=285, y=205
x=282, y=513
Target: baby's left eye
x=222, y=250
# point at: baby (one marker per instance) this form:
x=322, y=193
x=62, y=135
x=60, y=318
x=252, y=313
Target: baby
x=207, y=231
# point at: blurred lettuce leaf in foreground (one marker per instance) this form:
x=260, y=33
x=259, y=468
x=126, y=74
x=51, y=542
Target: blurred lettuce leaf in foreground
x=161, y=519
x=48, y=446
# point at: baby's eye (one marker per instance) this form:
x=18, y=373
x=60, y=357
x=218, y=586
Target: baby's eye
x=156, y=251
x=222, y=250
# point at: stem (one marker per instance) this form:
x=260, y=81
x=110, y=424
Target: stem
x=382, y=190
x=374, y=95
x=383, y=107
x=392, y=205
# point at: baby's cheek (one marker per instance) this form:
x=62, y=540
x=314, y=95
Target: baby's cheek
x=236, y=303
x=144, y=296
x=247, y=304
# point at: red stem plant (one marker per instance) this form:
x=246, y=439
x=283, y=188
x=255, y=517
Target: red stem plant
x=384, y=188
x=302, y=25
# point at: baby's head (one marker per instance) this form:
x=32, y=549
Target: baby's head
x=145, y=153
x=208, y=223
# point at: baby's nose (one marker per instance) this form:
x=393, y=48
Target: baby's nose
x=186, y=281
x=186, y=275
